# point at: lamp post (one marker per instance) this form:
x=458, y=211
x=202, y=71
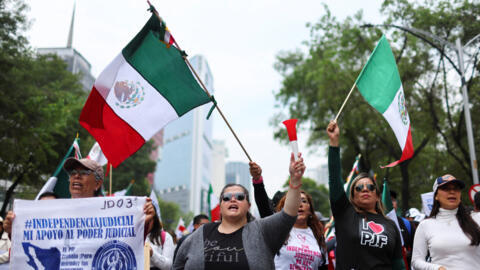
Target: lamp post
x=459, y=69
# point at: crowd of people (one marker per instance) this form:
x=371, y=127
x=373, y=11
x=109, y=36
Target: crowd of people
x=290, y=234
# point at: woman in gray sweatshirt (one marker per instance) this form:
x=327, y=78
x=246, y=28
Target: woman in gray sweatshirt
x=238, y=242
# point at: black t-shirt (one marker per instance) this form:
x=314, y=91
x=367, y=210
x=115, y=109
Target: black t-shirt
x=223, y=251
x=364, y=241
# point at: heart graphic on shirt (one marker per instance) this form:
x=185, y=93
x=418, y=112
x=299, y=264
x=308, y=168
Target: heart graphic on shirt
x=376, y=228
x=301, y=237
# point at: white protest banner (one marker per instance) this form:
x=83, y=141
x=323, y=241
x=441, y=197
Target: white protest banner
x=427, y=203
x=70, y=234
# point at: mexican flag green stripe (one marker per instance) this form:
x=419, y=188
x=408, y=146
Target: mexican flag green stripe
x=144, y=88
x=159, y=64
x=379, y=80
x=380, y=85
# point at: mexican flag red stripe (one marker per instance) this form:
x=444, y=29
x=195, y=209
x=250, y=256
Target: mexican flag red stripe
x=144, y=88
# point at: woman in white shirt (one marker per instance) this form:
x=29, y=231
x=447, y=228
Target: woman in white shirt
x=161, y=246
x=450, y=234
x=305, y=247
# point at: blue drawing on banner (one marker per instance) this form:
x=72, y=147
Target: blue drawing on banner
x=40, y=258
x=114, y=255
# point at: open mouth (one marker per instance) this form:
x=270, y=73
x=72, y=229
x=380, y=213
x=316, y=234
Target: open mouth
x=77, y=185
x=233, y=207
x=452, y=199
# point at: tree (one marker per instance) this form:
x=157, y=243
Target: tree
x=170, y=214
x=319, y=195
x=136, y=167
x=316, y=83
x=39, y=107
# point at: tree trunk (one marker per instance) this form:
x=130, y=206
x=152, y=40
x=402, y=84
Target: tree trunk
x=9, y=193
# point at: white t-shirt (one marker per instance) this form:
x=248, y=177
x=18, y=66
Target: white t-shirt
x=162, y=256
x=447, y=243
x=300, y=252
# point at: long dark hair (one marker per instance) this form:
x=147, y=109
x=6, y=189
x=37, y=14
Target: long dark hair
x=469, y=227
x=247, y=196
x=313, y=222
x=156, y=232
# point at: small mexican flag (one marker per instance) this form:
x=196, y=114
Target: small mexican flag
x=58, y=183
x=213, y=205
x=144, y=88
x=380, y=85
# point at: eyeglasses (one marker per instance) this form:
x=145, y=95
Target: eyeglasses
x=240, y=196
x=80, y=172
x=370, y=187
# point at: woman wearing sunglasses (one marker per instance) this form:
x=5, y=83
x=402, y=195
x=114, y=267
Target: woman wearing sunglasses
x=451, y=234
x=237, y=242
x=366, y=239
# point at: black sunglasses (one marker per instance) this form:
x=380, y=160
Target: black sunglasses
x=239, y=196
x=370, y=187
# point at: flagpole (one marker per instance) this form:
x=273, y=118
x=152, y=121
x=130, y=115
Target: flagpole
x=110, y=179
x=345, y=102
x=205, y=88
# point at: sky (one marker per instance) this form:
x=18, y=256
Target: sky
x=239, y=39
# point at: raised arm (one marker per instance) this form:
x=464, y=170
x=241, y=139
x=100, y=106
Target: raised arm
x=334, y=165
x=264, y=204
x=292, y=202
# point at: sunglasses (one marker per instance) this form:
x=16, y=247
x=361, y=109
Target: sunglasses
x=80, y=172
x=370, y=187
x=239, y=196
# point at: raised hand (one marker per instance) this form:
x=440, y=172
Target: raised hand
x=297, y=168
x=255, y=170
x=333, y=133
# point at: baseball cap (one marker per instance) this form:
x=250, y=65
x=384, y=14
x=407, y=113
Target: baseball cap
x=71, y=163
x=447, y=178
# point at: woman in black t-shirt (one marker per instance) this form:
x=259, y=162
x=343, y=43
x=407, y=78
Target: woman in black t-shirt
x=366, y=239
x=237, y=242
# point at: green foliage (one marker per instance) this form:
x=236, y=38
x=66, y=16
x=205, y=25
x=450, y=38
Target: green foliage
x=319, y=195
x=39, y=107
x=136, y=167
x=316, y=83
x=170, y=214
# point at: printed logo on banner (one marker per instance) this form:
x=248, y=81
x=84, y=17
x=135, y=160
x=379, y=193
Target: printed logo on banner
x=114, y=255
x=41, y=258
x=128, y=94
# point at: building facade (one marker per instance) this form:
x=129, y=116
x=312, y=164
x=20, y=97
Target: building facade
x=238, y=173
x=76, y=63
x=184, y=162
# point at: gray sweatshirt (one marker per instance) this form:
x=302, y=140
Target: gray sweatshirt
x=262, y=238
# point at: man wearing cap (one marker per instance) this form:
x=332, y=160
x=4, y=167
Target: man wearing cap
x=86, y=179
x=451, y=234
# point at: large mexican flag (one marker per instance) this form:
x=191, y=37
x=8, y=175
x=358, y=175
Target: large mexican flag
x=380, y=85
x=144, y=88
